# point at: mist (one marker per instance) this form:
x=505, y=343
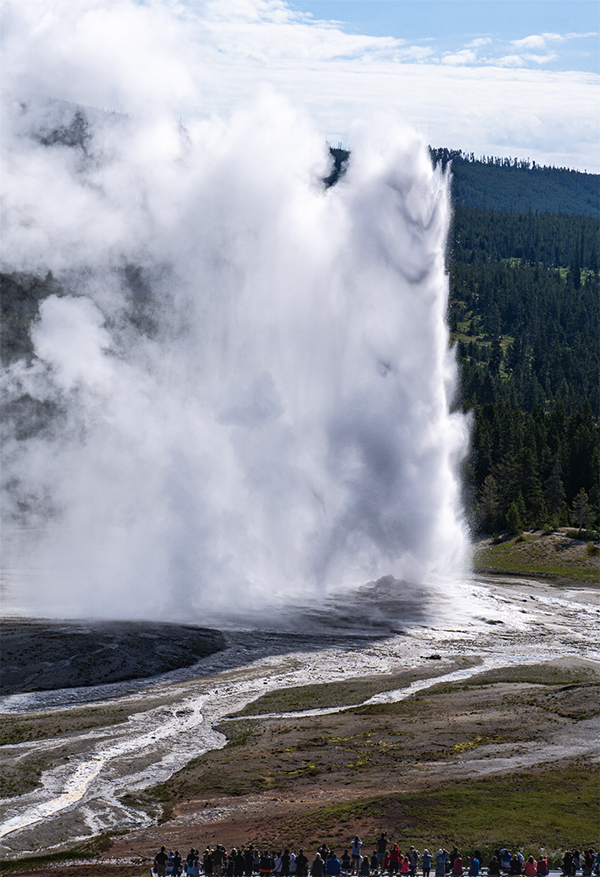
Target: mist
x=239, y=385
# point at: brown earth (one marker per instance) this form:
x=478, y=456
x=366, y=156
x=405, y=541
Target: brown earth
x=265, y=784
x=89, y=870
x=307, y=779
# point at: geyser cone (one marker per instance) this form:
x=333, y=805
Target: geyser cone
x=244, y=376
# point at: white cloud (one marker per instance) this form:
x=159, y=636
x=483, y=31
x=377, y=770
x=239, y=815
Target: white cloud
x=480, y=41
x=539, y=59
x=525, y=59
x=465, y=56
x=511, y=61
x=121, y=55
x=535, y=41
x=416, y=53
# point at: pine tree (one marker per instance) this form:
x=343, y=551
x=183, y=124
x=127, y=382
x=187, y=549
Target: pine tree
x=581, y=509
x=555, y=490
x=513, y=520
x=574, y=274
x=488, y=505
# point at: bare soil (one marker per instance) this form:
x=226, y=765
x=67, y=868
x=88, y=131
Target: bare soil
x=503, y=737
x=273, y=774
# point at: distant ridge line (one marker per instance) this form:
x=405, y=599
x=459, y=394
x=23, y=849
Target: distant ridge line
x=510, y=185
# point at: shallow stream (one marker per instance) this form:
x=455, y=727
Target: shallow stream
x=486, y=624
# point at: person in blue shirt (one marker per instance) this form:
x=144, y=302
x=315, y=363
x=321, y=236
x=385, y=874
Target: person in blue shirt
x=333, y=866
x=440, y=863
x=426, y=860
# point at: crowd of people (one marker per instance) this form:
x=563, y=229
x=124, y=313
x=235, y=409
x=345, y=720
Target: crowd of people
x=385, y=859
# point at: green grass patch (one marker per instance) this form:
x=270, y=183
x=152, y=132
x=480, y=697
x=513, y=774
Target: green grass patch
x=553, y=808
x=22, y=728
x=568, y=691
x=512, y=565
x=536, y=556
x=90, y=849
x=341, y=694
x=21, y=777
x=534, y=674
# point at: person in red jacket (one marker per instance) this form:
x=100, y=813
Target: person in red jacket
x=394, y=859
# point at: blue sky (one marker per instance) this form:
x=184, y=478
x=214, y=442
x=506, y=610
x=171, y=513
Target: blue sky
x=570, y=27
x=513, y=78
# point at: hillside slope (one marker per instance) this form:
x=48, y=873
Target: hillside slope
x=519, y=186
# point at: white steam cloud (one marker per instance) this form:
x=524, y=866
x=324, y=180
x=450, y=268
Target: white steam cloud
x=241, y=380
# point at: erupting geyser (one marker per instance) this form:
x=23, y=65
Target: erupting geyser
x=240, y=380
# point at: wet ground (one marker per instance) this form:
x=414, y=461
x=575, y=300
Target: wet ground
x=90, y=776
x=45, y=655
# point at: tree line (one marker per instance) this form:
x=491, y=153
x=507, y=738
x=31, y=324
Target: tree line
x=525, y=317
x=518, y=185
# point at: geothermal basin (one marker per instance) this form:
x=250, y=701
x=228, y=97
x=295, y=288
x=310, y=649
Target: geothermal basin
x=112, y=741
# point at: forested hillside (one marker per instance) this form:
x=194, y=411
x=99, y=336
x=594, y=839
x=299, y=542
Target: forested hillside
x=524, y=314
x=518, y=185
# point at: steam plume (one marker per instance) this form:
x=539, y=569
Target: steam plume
x=240, y=382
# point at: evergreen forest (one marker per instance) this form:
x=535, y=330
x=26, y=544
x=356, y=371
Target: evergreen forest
x=524, y=316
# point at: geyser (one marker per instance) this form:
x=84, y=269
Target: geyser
x=238, y=390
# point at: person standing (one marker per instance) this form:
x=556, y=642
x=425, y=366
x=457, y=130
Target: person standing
x=440, y=863
x=381, y=848
x=266, y=864
x=394, y=859
x=218, y=859
x=316, y=869
x=355, y=853
x=413, y=861
x=239, y=863
x=301, y=864
x=334, y=866
x=160, y=862
x=426, y=862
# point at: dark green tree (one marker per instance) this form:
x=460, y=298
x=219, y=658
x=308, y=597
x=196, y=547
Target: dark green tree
x=513, y=520
x=555, y=491
x=581, y=509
